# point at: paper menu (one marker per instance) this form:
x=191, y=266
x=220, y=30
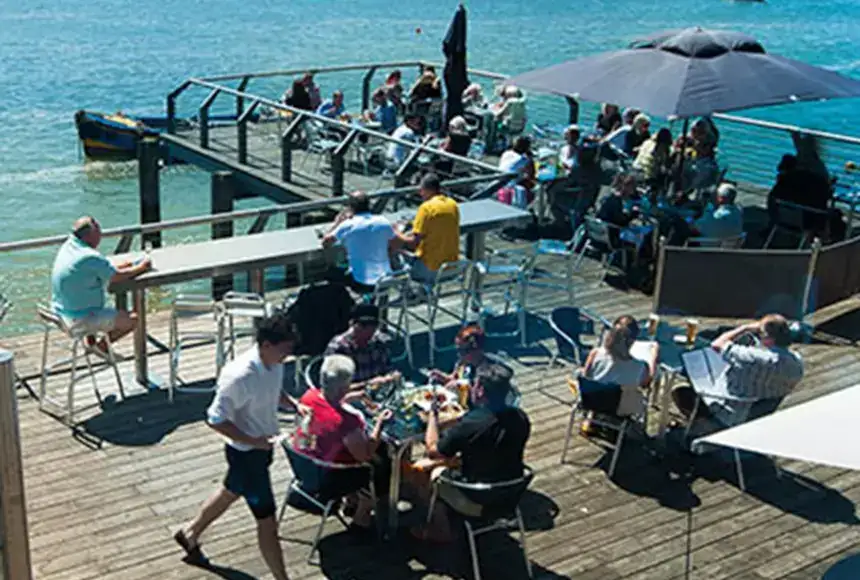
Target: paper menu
x=704, y=368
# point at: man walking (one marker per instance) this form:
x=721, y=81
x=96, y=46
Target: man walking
x=244, y=412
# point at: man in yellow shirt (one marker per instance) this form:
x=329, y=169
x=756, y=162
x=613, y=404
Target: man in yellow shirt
x=435, y=234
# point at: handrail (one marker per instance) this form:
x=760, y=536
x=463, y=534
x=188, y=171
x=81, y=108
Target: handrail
x=788, y=128
x=331, y=122
x=299, y=207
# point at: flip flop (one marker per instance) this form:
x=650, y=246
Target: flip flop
x=193, y=554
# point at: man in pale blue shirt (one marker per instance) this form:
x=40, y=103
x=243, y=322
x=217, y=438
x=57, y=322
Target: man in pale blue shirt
x=408, y=131
x=384, y=112
x=724, y=222
x=332, y=108
x=79, y=279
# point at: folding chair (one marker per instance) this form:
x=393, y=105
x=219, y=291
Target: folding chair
x=77, y=346
x=500, y=510
x=323, y=485
x=600, y=239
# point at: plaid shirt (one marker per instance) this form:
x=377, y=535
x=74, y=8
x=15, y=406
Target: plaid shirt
x=755, y=372
x=371, y=360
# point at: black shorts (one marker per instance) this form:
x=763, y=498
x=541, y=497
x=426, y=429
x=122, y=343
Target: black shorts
x=248, y=476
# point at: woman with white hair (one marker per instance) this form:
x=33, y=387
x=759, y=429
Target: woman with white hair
x=331, y=430
x=457, y=142
x=510, y=112
x=473, y=96
x=638, y=134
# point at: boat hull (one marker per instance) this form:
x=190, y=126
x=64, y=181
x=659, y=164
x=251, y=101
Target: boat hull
x=110, y=137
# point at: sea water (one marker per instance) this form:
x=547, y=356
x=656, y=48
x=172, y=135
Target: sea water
x=57, y=57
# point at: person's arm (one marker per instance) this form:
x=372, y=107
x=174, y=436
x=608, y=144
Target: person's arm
x=589, y=361
x=129, y=271
x=725, y=339
x=502, y=109
x=336, y=230
x=229, y=430
x=412, y=238
x=431, y=437
x=653, y=364
x=362, y=447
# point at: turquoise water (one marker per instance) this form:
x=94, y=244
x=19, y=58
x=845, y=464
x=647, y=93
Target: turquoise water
x=57, y=57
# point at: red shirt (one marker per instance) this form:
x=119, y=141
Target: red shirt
x=323, y=428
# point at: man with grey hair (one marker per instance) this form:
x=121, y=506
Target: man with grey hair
x=726, y=220
x=332, y=430
x=79, y=279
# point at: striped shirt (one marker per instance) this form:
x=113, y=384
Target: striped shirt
x=754, y=372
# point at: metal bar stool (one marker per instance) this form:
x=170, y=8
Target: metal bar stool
x=245, y=305
x=189, y=306
x=396, y=282
x=75, y=341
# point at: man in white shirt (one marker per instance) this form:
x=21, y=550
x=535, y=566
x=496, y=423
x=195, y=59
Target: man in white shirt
x=408, y=131
x=369, y=241
x=244, y=412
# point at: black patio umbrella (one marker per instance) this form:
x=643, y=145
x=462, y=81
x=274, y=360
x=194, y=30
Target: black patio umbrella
x=689, y=73
x=456, y=77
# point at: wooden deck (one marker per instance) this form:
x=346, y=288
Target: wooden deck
x=104, y=506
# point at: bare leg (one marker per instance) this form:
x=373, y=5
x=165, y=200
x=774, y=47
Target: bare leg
x=124, y=324
x=211, y=510
x=270, y=546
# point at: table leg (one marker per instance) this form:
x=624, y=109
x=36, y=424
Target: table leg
x=476, y=246
x=256, y=281
x=140, y=363
x=665, y=401
x=394, y=486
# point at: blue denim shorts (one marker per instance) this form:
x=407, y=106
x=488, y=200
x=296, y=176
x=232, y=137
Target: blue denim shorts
x=248, y=476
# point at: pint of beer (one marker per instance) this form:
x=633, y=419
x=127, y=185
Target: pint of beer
x=653, y=323
x=692, y=330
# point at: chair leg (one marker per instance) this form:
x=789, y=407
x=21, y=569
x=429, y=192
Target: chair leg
x=740, y=469
x=323, y=518
x=432, y=505
x=43, y=380
x=70, y=395
x=111, y=356
x=569, y=433
x=618, y=442
x=88, y=359
x=473, y=549
x=284, y=505
x=770, y=237
x=522, y=528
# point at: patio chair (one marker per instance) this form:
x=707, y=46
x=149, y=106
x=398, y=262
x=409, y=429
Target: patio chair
x=5, y=308
x=581, y=388
x=240, y=305
x=318, y=143
x=794, y=218
x=322, y=485
x=599, y=238
x=185, y=307
x=312, y=372
x=396, y=283
x=77, y=346
x=568, y=325
x=563, y=251
x=510, y=269
x=500, y=503
x=730, y=243
x=754, y=408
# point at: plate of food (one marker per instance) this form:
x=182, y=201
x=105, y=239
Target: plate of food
x=424, y=397
x=448, y=412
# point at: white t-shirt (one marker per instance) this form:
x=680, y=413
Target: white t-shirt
x=396, y=152
x=365, y=237
x=628, y=374
x=513, y=162
x=248, y=394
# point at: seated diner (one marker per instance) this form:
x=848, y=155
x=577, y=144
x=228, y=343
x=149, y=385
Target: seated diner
x=470, y=358
x=409, y=131
x=366, y=346
x=726, y=220
x=331, y=430
x=520, y=161
x=510, y=112
x=608, y=120
x=488, y=443
x=383, y=112
x=334, y=107
x=457, y=142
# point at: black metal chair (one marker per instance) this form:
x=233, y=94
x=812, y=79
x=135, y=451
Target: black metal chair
x=798, y=220
x=604, y=239
x=568, y=325
x=322, y=485
x=500, y=509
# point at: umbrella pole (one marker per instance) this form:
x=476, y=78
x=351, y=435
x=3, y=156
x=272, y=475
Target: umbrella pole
x=679, y=175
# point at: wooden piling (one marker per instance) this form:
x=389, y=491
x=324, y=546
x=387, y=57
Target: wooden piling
x=223, y=193
x=148, y=160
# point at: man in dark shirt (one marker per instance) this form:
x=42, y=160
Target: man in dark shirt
x=489, y=440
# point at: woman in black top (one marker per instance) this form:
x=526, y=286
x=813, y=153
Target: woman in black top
x=298, y=96
x=609, y=119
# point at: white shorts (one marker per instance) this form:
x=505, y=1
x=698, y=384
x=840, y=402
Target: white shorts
x=103, y=320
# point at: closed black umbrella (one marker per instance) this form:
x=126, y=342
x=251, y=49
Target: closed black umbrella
x=689, y=73
x=456, y=77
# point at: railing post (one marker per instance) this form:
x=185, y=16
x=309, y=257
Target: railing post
x=14, y=537
x=338, y=162
x=148, y=158
x=401, y=176
x=573, y=107
x=222, y=202
x=293, y=220
x=810, y=278
x=240, y=101
x=365, y=88
x=287, y=139
x=203, y=117
x=171, y=114
x=242, y=132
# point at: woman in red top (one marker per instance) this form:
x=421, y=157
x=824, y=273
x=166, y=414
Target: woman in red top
x=331, y=430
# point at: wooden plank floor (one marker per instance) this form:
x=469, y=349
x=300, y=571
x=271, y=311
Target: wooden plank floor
x=104, y=507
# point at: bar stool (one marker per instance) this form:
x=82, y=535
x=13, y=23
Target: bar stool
x=244, y=305
x=192, y=306
x=76, y=343
x=397, y=281
x=513, y=267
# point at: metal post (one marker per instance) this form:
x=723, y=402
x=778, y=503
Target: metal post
x=658, y=276
x=292, y=220
x=14, y=538
x=240, y=101
x=810, y=277
x=573, y=106
x=242, y=132
x=141, y=367
x=203, y=115
x=287, y=140
x=365, y=88
x=222, y=202
x=338, y=163
x=148, y=159
x=171, y=113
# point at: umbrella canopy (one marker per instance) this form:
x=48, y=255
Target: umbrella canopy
x=456, y=77
x=690, y=73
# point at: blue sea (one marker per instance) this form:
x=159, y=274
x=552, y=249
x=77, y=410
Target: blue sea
x=57, y=57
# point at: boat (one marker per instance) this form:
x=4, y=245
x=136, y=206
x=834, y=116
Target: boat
x=114, y=137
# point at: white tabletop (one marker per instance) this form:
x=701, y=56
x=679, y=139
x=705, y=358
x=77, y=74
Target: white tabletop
x=824, y=431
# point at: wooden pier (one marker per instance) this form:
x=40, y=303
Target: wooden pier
x=103, y=505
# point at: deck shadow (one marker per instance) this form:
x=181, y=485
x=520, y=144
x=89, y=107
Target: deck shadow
x=223, y=571
x=145, y=419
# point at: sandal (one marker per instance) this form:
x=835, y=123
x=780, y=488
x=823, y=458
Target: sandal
x=193, y=554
